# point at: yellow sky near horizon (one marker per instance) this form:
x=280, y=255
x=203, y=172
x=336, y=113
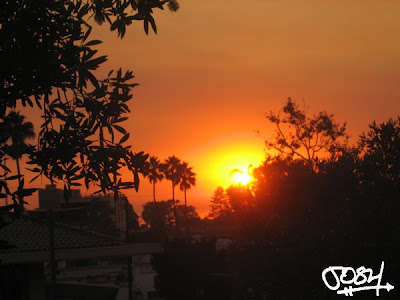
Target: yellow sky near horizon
x=216, y=67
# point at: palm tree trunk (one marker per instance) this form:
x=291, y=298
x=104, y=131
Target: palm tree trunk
x=173, y=193
x=154, y=192
x=184, y=191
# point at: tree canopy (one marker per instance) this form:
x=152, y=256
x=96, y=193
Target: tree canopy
x=161, y=215
x=48, y=60
x=304, y=137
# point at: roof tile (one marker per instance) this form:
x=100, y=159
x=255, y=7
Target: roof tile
x=27, y=234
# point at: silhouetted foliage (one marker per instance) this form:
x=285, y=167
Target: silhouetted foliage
x=45, y=44
x=303, y=222
x=220, y=206
x=187, y=178
x=189, y=213
x=13, y=133
x=240, y=198
x=300, y=136
x=48, y=58
x=158, y=215
x=171, y=170
x=161, y=215
x=294, y=223
x=296, y=229
x=380, y=148
x=153, y=171
x=186, y=181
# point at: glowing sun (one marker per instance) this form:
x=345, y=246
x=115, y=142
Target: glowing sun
x=240, y=177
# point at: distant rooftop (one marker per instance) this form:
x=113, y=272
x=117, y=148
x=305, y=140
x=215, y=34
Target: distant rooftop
x=28, y=234
x=27, y=241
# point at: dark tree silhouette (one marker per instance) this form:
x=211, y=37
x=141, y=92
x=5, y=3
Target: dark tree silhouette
x=152, y=212
x=188, y=213
x=293, y=223
x=153, y=172
x=159, y=215
x=380, y=148
x=55, y=51
x=300, y=136
x=240, y=198
x=171, y=170
x=48, y=57
x=220, y=206
x=17, y=131
x=187, y=181
x=345, y=213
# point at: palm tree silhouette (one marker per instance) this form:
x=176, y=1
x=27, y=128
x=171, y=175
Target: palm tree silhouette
x=171, y=172
x=187, y=180
x=17, y=130
x=154, y=173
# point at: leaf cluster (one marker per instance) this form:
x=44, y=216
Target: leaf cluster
x=304, y=137
x=161, y=215
x=48, y=61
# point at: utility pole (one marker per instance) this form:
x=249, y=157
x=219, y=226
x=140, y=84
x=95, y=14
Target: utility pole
x=127, y=227
x=52, y=256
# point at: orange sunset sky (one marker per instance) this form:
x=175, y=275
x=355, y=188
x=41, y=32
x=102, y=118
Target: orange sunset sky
x=216, y=67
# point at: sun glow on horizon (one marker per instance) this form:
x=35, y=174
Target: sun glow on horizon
x=240, y=177
x=230, y=163
x=215, y=162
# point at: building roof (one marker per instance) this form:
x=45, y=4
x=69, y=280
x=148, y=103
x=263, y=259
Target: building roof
x=27, y=234
x=27, y=241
